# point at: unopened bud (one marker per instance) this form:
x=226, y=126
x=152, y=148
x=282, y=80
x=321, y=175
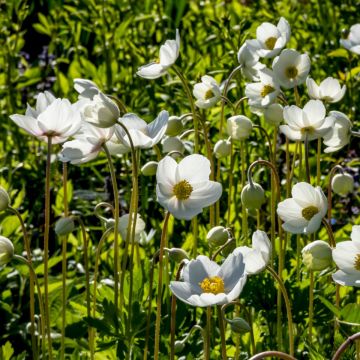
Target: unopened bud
x=64, y=226
x=4, y=199
x=174, y=127
x=274, y=114
x=173, y=144
x=252, y=196
x=239, y=127
x=179, y=346
x=6, y=250
x=342, y=184
x=177, y=254
x=222, y=148
x=239, y=325
x=217, y=236
x=149, y=169
x=317, y=255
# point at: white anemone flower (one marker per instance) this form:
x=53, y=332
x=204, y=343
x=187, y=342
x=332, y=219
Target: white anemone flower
x=87, y=144
x=143, y=135
x=352, y=42
x=347, y=257
x=257, y=257
x=309, y=121
x=265, y=92
x=303, y=213
x=208, y=284
x=184, y=189
x=291, y=68
x=123, y=226
x=87, y=89
x=270, y=39
x=55, y=118
x=329, y=90
x=169, y=53
x=249, y=61
x=339, y=134
x=207, y=93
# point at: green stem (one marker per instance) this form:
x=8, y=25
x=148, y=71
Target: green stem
x=208, y=331
x=311, y=305
x=222, y=333
x=231, y=180
x=307, y=165
x=318, y=159
x=243, y=182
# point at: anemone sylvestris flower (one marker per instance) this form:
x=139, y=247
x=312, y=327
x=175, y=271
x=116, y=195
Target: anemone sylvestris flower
x=207, y=284
x=347, y=257
x=329, y=90
x=169, y=52
x=207, y=92
x=87, y=89
x=352, y=42
x=249, y=61
x=184, y=189
x=239, y=127
x=303, y=213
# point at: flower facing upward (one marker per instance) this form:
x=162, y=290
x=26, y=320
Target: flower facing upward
x=302, y=214
x=352, y=42
x=291, y=68
x=207, y=92
x=309, y=121
x=329, y=90
x=270, y=39
x=347, y=257
x=169, y=52
x=207, y=284
x=184, y=189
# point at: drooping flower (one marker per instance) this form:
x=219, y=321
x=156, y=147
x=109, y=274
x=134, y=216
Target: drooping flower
x=265, y=92
x=270, y=39
x=291, y=68
x=123, y=226
x=303, y=213
x=342, y=184
x=339, y=134
x=249, y=61
x=257, y=257
x=207, y=92
x=309, y=121
x=317, y=255
x=87, y=89
x=329, y=90
x=55, y=118
x=169, y=52
x=6, y=250
x=143, y=135
x=274, y=114
x=207, y=284
x=184, y=189
x=239, y=127
x=352, y=42
x=347, y=257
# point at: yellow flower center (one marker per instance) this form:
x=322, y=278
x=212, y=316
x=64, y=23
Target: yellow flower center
x=357, y=262
x=209, y=94
x=308, y=129
x=267, y=89
x=291, y=72
x=182, y=190
x=213, y=285
x=270, y=42
x=309, y=212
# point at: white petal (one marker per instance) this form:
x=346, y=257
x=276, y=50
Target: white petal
x=345, y=279
x=182, y=291
x=313, y=88
x=157, y=128
x=355, y=234
x=166, y=171
x=232, y=270
x=194, y=168
x=204, y=195
x=151, y=71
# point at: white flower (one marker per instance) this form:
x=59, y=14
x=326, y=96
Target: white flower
x=239, y=127
x=304, y=211
x=342, y=184
x=184, y=189
x=143, y=135
x=169, y=52
x=274, y=114
x=329, y=90
x=207, y=284
x=6, y=250
x=55, y=118
x=101, y=111
x=87, y=89
x=172, y=143
x=291, y=68
x=270, y=39
x=257, y=257
x=317, y=255
x=310, y=121
x=339, y=134
x=347, y=257
x=123, y=226
x=222, y=148
x=265, y=92
x=249, y=61
x=207, y=93
x=352, y=42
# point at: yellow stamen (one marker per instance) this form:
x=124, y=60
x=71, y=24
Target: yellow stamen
x=182, y=190
x=267, y=89
x=291, y=72
x=357, y=262
x=213, y=285
x=308, y=129
x=309, y=212
x=209, y=94
x=270, y=43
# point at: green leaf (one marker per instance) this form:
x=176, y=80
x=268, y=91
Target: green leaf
x=351, y=313
x=329, y=305
x=7, y=351
x=339, y=53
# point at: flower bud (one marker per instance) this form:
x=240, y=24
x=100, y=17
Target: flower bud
x=217, y=236
x=149, y=169
x=239, y=127
x=179, y=346
x=222, y=148
x=273, y=114
x=238, y=325
x=174, y=126
x=177, y=254
x=4, y=199
x=64, y=226
x=317, y=255
x=6, y=250
x=173, y=144
x=123, y=226
x=252, y=196
x=342, y=184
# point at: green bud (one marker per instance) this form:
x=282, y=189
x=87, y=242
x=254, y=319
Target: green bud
x=4, y=199
x=317, y=255
x=179, y=346
x=174, y=127
x=6, y=250
x=342, y=184
x=177, y=254
x=222, y=148
x=64, y=226
x=239, y=325
x=173, y=144
x=149, y=169
x=252, y=196
x=217, y=236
